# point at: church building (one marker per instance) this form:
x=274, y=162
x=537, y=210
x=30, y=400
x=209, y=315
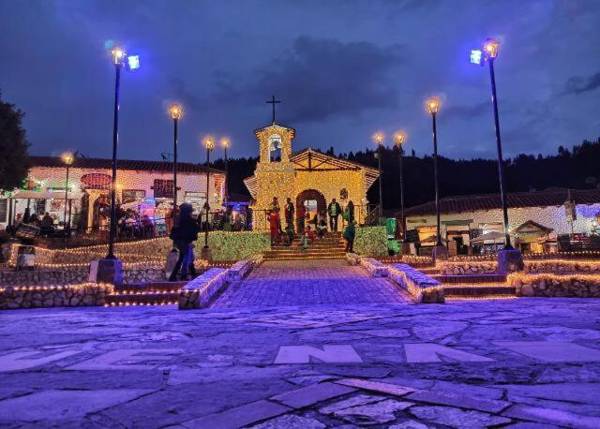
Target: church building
x=308, y=177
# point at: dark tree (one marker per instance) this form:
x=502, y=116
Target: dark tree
x=14, y=161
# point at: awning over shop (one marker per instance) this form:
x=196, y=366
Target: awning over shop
x=493, y=236
x=45, y=195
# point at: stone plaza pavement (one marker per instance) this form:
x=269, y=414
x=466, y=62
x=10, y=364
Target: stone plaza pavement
x=526, y=363
x=312, y=282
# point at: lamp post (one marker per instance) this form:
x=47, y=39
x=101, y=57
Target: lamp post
x=209, y=144
x=119, y=59
x=175, y=112
x=433, y=107
x=399, y=140
x=488, y=54
x=378, y=138
x=67, y=159
x=225, y=143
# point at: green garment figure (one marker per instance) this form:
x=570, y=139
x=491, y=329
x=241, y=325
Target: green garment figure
x=392, y=244
x=349, y=234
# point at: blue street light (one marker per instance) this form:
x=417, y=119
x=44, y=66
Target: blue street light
x=476, y=56
x=133, y=62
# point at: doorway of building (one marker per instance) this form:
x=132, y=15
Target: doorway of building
x=313, y=201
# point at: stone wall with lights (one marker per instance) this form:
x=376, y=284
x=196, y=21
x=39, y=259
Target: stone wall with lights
x=467, y=267
x=85, y=294
x=550, y=285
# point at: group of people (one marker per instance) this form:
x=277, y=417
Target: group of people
x=45, y=223
x=309, y=232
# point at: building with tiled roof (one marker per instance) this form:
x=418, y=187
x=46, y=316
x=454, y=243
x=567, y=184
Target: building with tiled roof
x=142, y=185
x=534, y=217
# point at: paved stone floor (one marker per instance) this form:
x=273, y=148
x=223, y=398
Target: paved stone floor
x=312, y=282
x=528, y=363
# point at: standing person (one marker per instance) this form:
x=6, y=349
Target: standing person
x=321, y=225
x=349, y=234
x=184, y=233
x=301, y=217
x=289, y=214
x=274, y=226
x=334, y=210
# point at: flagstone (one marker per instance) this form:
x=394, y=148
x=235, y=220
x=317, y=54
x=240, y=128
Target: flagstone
x=409, y=424
x=290, y=421
x=377, y=386
x=459, y=400
x=457, y=418
x=438, y=330
x=309, y=395
x=64, y=404
x=374, y=413
x=237, y=417
x=552, y=351
x=548, y=415
x=573, y=392
x=360, y=399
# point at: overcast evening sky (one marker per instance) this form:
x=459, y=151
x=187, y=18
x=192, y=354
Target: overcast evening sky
x=343, y=69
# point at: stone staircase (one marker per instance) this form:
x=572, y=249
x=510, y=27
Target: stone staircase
x=152, y=293
x=329, y=247
x=473, y=287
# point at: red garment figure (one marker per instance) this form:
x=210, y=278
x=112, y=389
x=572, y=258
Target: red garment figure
x=274, y=226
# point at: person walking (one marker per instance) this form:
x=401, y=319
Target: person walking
x=334, y=211
x=184, y=232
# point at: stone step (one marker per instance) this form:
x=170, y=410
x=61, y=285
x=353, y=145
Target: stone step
x=306, y=257
x=149, y=286
x=470, y=290
x=270, y=254
x=470, y=278
x=143, y=298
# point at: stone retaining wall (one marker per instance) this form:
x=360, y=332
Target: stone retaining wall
x=420, y=286
x=85, y=294
x=199, y=292
x=548, y=285
x=562, y=266
x=374, y=267
x=465, y=268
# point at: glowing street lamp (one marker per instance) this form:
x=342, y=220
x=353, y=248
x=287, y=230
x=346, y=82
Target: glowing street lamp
x=209, y=144
x=67, y=158
x=225, y=143
x=488, y=54
x=176, y=113
x=432, y=105
x=120, y=59
x=399, y=140
x=379, y=138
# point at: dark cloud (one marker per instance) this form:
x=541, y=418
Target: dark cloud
x=320, y=78
x=578, y=84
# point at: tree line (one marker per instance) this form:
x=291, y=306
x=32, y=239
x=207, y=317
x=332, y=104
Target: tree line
x=578, y=168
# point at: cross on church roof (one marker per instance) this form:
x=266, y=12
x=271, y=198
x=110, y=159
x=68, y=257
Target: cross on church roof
x=273, y=102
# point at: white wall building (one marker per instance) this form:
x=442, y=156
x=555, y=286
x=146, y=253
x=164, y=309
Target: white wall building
x=139, y=183
x=532, y=215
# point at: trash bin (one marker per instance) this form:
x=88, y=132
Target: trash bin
x=25, y=258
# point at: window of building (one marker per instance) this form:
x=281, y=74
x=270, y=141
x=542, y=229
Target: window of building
x=163, y=188
x=196, y=199
x=132, y=195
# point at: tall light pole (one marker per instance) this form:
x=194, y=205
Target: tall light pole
x=67, y=159
x=399, y=140
x=119, y=59
x=225, y=143
x=175, y=112
x=433, y=107
x=488, y=54
x=379, y=138
x=209, y=144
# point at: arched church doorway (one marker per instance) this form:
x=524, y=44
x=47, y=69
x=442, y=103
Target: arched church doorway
x=313, y=201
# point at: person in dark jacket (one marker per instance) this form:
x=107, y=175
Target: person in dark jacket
x=184, y=233
x=334, y=211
